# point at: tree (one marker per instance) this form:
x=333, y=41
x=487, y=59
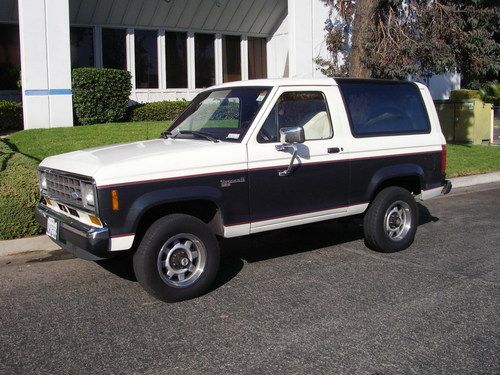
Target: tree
x=397, y=38
x=361, y=28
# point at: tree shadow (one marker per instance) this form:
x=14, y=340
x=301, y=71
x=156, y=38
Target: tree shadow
x=15, y=149
x=8, y=155
x=273, y=244
x=5, y=156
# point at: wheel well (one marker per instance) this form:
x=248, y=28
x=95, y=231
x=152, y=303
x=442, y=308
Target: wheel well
x=410, y=183
x=205, y=210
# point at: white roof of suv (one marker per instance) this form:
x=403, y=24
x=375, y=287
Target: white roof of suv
x=272, y=82
x=280, y=82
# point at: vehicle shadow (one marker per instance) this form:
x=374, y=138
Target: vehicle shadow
x=274, y=244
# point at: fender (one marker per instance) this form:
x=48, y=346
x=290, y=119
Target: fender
x=164, y=196
x=393, y=171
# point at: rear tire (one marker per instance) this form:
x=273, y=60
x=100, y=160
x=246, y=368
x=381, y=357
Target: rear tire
x=391, y=220
x=177, y=259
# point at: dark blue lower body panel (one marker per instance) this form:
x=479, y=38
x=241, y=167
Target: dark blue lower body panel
x=261, y=194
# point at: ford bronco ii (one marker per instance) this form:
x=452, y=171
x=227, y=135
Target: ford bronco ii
x=247, y=157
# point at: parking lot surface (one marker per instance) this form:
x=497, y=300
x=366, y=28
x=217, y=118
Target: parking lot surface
x=311, y=299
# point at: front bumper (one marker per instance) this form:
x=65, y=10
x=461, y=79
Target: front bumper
x=83, y=241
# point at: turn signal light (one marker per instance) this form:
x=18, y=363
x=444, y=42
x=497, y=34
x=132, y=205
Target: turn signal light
x=95, y=220
x=48, y=202
x=115, y=203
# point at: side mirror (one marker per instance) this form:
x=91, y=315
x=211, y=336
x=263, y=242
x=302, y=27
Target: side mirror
x=292, y=135
x=289, y=137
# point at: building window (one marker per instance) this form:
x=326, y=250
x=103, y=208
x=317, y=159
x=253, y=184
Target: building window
x=231, y=58
x=176, y=54
x=82, y=47
x=146, y=59
x=10, y=59
x=204, y=60
x=257, y=58
x=114, y=48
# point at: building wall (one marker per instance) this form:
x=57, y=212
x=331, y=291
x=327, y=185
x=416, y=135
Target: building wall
x=277, y=51
x=45, y=63
x=441, y=86
x=306, y=36
x=293, y=31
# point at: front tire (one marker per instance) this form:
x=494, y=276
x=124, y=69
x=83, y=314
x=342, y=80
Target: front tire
x=391, y=221
x=177, y=259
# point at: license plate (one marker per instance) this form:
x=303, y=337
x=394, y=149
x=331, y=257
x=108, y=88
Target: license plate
x=52, y=227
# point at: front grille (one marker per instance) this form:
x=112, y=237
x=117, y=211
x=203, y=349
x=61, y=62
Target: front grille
x=64, y=188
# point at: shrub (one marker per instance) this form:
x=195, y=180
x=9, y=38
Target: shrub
x=464, y=94
x=495, y=100
x=18, y=193
x=11, y=116
x=100, y=95
x=492, y=94
x=157, y=111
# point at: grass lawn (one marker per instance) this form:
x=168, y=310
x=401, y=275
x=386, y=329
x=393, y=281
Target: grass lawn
x=21, y=152
x=465, y=160
x=40, y=143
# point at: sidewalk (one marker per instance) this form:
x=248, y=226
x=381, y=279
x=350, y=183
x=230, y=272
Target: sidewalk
x=43, y=243
x=24, y=245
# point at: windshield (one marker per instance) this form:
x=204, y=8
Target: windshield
x=223, y=114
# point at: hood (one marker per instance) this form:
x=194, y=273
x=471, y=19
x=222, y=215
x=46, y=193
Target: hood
x=150, y=160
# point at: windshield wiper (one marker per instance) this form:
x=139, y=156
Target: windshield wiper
x=200, y=134
x=166, y=135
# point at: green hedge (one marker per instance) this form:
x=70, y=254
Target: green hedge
x=493, y=89
x=18, y=193
x=492, y=94
x=157, y=111
x=11, y=116
x=100, y=95
x=464, y=94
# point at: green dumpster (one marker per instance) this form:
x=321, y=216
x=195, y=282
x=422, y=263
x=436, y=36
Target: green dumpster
x=465, y=121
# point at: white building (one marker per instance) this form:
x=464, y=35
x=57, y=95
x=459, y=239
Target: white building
x=173, y=48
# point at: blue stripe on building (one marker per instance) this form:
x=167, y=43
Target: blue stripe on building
x=48, y=92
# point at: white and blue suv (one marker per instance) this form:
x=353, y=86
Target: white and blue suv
x=247, y=157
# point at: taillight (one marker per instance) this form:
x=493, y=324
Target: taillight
x=443, y=158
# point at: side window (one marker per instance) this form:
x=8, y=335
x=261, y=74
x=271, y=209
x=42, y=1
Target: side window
x=384, y=108
x=306, y=109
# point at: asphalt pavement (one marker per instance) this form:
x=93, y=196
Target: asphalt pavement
x=311, y=299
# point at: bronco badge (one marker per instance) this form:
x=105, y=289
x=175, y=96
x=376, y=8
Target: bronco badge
x=227, y=183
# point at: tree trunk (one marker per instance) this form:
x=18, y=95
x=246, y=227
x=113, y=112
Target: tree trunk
x=362, y=26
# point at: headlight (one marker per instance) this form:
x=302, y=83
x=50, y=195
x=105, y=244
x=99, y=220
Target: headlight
x=42, y=182
x=88, y=195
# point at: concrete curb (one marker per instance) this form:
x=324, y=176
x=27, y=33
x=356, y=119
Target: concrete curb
x=43, y=243
x=477, y=179
x=24, y=245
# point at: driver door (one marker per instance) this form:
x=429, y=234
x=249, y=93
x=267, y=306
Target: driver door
x=317, y=187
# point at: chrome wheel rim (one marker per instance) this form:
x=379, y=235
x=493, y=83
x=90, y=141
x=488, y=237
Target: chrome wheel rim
x=397, y=220
x=182, y=260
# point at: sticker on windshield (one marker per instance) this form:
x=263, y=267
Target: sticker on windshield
x=233, y=136
x=261, y=96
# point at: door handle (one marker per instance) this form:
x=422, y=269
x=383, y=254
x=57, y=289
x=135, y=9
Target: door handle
x=334, y=150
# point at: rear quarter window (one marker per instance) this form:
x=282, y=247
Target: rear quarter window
x=377, y=109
